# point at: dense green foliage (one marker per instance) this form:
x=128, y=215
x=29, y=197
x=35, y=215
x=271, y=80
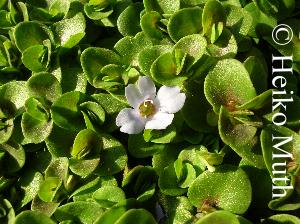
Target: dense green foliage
x=64, y=66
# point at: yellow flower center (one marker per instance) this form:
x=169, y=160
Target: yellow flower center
x=147, y=108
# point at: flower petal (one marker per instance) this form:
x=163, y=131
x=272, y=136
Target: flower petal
x=147, y=87
x=159, y=121
x=129, y=121
x=170, y=99
x=133, y=95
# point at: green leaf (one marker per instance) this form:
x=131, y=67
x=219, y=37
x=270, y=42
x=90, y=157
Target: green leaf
x=49, y=188
x=86, y=144
x=112, y=215
x=80, y=211
x=38, y=34
x=233, y=193
x=30, y=183
x=129, y=20
x=60, y=141
x=112, y=107
x=107, y=196
x=168, y=184
x=93, y=59
x=196, y=108
x=262, y=24
x=140, y=183
x=221, y=87
x=150, y=23
x=165, y=71
x=13, y=159
x=258, y=73
x=94, y=12
x=185, y=22
x=93, y=114
x=59, y=8
x=162, y=6
x=213, y=13
x=58, y=168
x=14, y=92
x=181, y=213
x=232, y=132
x=224, y=47
x=147, y=56
x=84, y=167
x=33, y=217
x=66, y=113
x=194, y=45
x=85, y=192
x=35, y=130
x=113, y=155
x=35, y=58
x=219, y=217
x=69, y=32
x=44, y=85
x=129, y=48
x=261, y=101
x=284, y=139
x=281, y=219
x=136, y=215
x=139, y=148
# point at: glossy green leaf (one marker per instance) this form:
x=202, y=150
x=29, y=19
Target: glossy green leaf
x=30, y=183
x=165, y=71
x=13, y=159
x=168, y=184
x=49, y=188
x=14, y=92
x=130, y=47
x=129, y=20
x=233, y=132
x=113, y=155
x=69, y=32
x=150, y=23
x=66, y=113
x=44, y=85
x=213, y=13
x=281, y=218
x=107, y=196
x=147, y=56
x=185, y=22
x=281, y=141
x=164, y=6
x=38, y=34
x=140, y=183
x=194, y=45
x=35, y=130
x=219, y=217
x=35, y=58
x=83, y=212
x=60, y=141
x=196, y=108
x=221, y=87
x=224, y=47
x=112, y=215
x=258, y=73
x=137, y=215
x=226, y=194
x=112, y=106
x=93, y=59
x=33, y=218
x=139, y=148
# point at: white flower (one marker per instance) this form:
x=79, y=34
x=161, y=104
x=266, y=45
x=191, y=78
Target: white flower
x=150, y=111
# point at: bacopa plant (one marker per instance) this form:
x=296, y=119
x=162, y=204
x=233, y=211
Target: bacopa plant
x=145, y=112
